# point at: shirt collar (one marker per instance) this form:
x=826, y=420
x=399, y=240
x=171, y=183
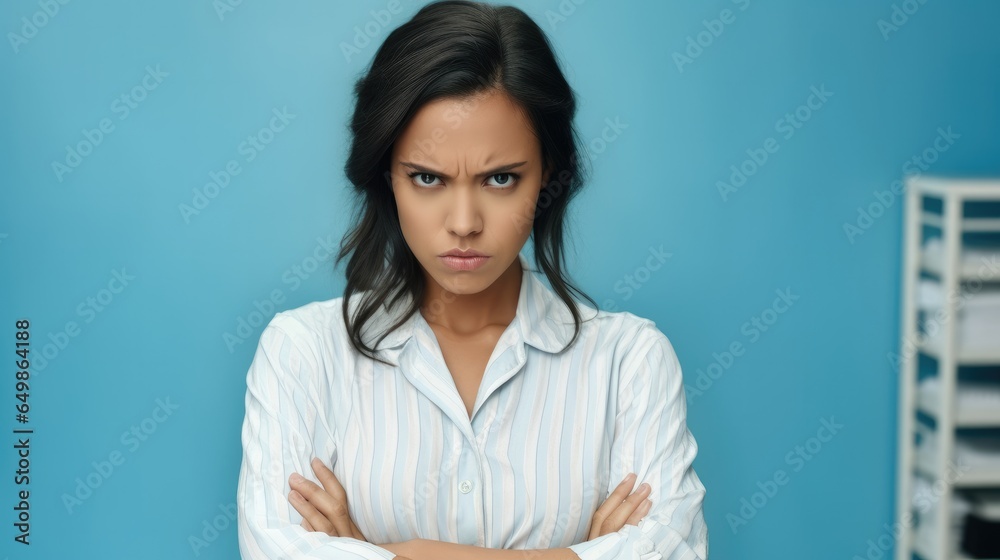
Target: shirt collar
x=542, y=319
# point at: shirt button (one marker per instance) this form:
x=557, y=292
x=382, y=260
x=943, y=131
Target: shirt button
x=465, y=486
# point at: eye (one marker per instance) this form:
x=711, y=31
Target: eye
x=508, y=180
x=418, y=177
x=503, y=181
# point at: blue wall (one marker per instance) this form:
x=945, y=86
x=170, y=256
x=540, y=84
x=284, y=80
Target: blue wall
x=100, y=240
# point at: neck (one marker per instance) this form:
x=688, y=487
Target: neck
x=470, y=313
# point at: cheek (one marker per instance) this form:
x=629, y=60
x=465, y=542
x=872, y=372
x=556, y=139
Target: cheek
x=522, y=208
x=512, y=219
x=414, y=220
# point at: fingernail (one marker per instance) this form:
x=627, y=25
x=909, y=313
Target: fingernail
x=296, y=478
x=631, y=476
x=644, y=486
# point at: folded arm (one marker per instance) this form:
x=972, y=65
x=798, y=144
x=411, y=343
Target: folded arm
x=278, y=435
x=652, y=440
x=424, y=549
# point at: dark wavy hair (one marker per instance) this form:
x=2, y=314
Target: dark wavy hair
x=452, y=49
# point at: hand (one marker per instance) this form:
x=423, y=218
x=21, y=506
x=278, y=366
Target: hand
x=403, y=550
x=619, y=510
x=323, y=509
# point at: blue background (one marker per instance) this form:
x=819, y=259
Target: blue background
x=64, y=236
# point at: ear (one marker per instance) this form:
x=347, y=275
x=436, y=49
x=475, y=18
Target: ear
x=546, y=173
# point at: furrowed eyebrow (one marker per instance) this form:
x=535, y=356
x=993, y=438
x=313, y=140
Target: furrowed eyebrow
x=501, y=169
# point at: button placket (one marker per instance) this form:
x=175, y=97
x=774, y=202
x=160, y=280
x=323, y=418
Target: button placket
x=467, y=473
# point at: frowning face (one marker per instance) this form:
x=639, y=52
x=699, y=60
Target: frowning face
x=466, y=175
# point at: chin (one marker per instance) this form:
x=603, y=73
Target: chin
x=461, y=283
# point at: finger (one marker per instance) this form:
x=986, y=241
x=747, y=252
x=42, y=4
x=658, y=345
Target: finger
x=611, y=503
x=616, y=497
x=318, y=500
x=305, y=525
x=357, y=532
x=617, y=518
x=639, y=512
x=310, y=514
x=340, y=514
x=329, y=480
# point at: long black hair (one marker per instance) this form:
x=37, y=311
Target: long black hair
x=452, y=49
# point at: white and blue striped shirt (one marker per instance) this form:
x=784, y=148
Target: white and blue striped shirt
x=551, y=435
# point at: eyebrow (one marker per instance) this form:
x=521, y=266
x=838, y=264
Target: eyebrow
x=494, y=171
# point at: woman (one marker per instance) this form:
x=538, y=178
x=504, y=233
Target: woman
x=451, y=405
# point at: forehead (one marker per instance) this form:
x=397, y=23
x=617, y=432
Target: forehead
x=475, y=126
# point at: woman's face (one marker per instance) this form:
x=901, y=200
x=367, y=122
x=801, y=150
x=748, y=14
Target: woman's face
x=466, y=174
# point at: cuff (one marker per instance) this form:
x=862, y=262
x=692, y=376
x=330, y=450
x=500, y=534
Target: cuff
x=630, y=543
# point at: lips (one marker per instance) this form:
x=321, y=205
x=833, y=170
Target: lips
x=468, y=253
x=463, y=261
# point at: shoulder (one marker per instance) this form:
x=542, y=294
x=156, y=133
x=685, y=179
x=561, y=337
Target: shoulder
x=637, y=342
x=311, y=318
x=302, y=347
x=315, y=328
x=627, y=331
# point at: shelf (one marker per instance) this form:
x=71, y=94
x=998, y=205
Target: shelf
x=970, y=271
x=923, y=549
x=972, y=478
x=936, y=238
x=968, y=224
x=969, y=188
x=964, y=418
x=966, y=357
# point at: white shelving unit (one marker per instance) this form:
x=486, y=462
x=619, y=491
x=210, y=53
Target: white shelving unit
x=945, y=349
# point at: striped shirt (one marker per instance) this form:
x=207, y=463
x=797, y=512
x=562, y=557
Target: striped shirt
x=551, y=435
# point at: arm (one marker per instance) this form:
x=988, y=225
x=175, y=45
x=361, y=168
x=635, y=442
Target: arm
x=424, y=549
x=652, y=439
x=278, y=433
x=325, y=509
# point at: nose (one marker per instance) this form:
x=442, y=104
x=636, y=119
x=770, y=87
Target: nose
x=464, y=217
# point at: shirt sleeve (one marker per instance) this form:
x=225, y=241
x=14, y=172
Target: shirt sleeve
x=651, y=439
x=279, y=429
